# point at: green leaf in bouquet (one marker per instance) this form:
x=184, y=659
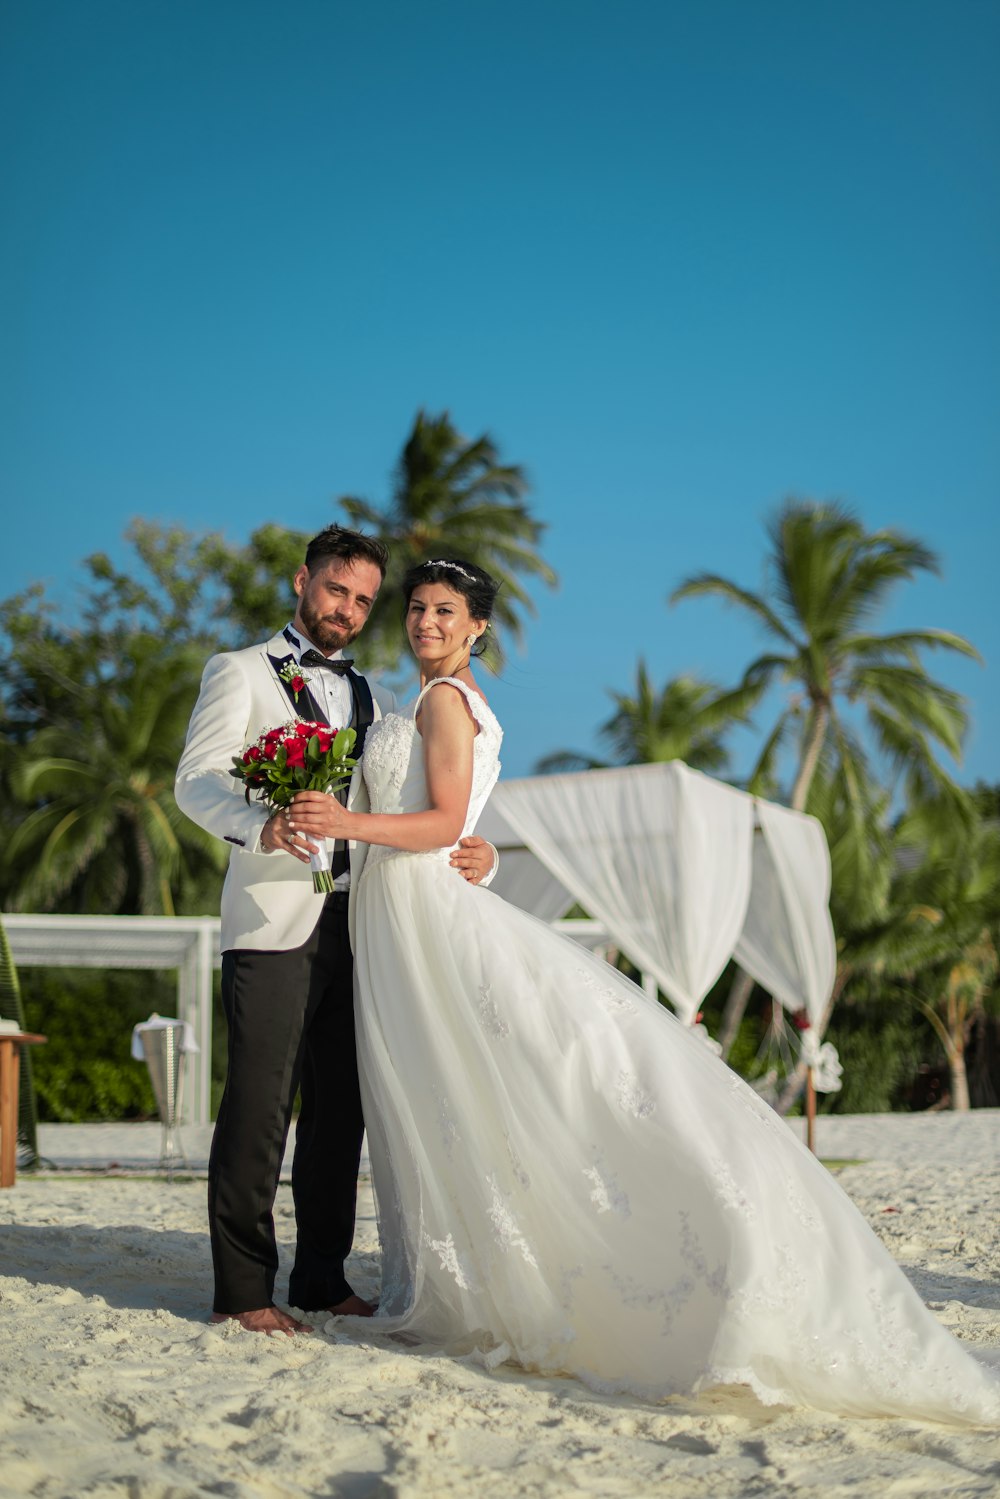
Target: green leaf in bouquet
x=313, y=751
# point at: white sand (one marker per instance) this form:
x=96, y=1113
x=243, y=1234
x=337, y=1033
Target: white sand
x=112, y=1383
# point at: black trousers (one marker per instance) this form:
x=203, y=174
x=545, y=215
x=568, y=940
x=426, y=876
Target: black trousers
x=291, y=1022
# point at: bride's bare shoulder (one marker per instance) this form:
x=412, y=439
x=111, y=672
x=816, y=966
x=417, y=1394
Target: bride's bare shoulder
x=463, y=689
x=455, y=701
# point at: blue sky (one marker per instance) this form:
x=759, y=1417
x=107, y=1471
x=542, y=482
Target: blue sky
x=681, y=259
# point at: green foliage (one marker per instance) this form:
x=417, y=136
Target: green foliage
x=936, y=946
x=687, y=720
x=97, y=827
x=86, y=1073
x=987, y=801
x=883, y=1047
x=255, y=579
x=744, y=1052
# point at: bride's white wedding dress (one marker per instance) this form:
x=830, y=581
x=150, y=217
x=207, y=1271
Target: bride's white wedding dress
x=564, y=1172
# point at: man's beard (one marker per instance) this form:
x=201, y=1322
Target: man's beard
x=325, y=632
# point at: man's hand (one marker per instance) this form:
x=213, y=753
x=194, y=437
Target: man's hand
x=473, y=858
x=278, y=833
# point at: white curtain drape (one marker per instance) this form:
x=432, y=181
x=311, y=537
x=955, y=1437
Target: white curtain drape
x=659, y=853
x=787, y=942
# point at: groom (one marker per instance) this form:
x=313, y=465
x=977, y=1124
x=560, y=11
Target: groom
x=287, y=976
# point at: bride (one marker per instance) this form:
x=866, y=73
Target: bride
x=564, y=1174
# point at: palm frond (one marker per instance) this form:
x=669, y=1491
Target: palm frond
x=710, y=584
x=883, y=648
x=566, y=761
x=926, y=781
x=910, y=696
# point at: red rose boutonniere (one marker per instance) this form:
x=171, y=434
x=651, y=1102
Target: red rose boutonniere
x=294, y=676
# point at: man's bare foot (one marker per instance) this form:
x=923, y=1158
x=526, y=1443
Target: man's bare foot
x=268, y=1319
x=352, y=1306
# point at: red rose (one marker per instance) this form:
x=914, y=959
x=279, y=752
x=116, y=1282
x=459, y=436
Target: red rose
x=325, y=739
x=801, y=1020
x=273, y=735
x=252, y=754
x=304, y=730
x=296, y=752
x=297, y=684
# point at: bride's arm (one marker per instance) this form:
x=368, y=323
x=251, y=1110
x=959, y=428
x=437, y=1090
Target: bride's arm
x=448, y=730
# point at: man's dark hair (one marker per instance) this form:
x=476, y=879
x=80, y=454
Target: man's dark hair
x=347, y=546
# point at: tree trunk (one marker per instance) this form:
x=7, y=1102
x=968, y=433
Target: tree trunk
x=810, y=757
x=156, y=899
x=959, y=1080
x=735, y=1008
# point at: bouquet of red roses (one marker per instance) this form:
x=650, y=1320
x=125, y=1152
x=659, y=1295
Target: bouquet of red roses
x=296, y=757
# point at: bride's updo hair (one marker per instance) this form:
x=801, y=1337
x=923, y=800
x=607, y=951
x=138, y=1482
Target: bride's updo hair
x=475, y=585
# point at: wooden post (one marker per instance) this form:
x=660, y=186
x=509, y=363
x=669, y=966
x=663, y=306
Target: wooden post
x=10, y=1064
x=811, y=1110
x=10, y=1073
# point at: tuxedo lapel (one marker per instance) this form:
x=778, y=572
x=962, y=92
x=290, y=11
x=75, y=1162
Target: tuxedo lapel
x=308, y=706
x=364, y=709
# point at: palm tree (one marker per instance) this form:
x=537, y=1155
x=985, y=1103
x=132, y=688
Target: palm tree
x=687, y=720
x=451, y=498
x=101, y=828
x=825, y=578
x=938, y=942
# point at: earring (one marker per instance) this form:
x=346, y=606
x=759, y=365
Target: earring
x=471, y=640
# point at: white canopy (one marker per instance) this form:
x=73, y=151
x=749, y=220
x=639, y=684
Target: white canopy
x=667, y=860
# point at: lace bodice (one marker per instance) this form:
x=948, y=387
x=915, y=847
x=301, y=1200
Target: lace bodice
x=393, y=764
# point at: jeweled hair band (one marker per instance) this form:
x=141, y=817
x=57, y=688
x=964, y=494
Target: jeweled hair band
x=454, y=566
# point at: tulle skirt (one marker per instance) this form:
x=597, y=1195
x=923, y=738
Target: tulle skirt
x=571, y=1180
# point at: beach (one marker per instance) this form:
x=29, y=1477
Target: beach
x=114, y=1383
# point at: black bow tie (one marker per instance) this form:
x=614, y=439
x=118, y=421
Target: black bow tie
x=314, y=658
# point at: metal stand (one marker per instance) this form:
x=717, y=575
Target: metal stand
x=161, y=1045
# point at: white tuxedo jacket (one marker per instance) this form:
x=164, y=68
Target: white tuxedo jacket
x=267, y=900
